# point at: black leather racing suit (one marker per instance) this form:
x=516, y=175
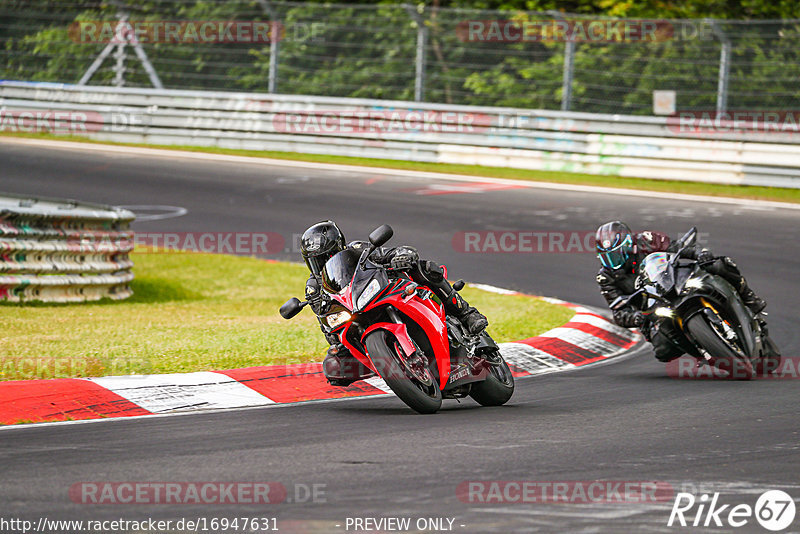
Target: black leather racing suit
x=620, y=283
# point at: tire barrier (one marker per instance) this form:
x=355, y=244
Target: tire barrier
x=63, y=251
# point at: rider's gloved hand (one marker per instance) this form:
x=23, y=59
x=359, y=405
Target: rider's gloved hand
x=705, y=256
x=639, y=319
x=314, y=296
x=404, y=258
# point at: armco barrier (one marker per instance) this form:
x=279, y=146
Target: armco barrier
x=63, y=251
x=647, y=147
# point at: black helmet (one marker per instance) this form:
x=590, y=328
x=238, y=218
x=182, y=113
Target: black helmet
x=614, y=241
x=319, y=243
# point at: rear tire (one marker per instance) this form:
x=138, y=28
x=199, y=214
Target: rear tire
x=725, y=358
x=498, y=386
x=423, y=397
x=772, y=360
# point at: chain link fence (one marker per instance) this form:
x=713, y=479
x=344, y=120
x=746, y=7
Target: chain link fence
x=405, y=52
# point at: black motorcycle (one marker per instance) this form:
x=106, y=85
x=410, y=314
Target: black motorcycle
x=708, y=318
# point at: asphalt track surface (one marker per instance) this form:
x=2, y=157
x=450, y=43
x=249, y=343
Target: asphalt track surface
x=624, y=421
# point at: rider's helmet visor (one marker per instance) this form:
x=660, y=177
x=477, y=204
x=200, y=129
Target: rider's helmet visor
x=617, y=256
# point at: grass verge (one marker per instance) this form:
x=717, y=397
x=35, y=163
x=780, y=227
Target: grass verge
x=777, y=194
x=198, y=312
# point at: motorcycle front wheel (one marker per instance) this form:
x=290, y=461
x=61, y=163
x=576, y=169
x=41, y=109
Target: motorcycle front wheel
x=417, y=388
x=725, y=358
x=498, y=386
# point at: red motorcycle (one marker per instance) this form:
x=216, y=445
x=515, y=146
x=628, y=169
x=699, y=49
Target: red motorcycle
x=399, y=330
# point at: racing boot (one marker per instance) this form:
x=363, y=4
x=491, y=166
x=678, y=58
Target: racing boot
x=341, y=368
x=474, y=321
x=750, y=299
x=728, y=269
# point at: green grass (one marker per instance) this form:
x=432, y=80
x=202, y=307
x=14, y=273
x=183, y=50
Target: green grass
x=667, y=186
x=195, y=312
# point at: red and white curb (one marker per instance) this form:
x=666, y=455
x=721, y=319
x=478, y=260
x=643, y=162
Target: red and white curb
x=586, y=339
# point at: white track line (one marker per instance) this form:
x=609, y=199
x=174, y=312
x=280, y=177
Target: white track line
x=172, y=154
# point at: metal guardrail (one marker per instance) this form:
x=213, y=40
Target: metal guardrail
x=63, y=251
x=625, y=145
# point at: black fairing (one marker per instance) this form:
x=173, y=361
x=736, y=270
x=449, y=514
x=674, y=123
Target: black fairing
x=364, y=276
x=724, y=298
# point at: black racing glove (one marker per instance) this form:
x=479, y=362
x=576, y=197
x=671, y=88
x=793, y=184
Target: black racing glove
x=314, y=296
x=403, y=259
x=705, y=256
x=639, y=319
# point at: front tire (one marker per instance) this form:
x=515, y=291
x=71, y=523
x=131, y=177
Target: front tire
x=421, y=395
x=498, y=386
x=725, y=358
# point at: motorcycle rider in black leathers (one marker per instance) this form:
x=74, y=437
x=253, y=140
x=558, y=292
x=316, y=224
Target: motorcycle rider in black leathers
x=321, y=242
x=621, y=252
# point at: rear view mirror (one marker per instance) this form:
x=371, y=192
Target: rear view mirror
x=381, y=235
x=689, y=237
x=292, y=307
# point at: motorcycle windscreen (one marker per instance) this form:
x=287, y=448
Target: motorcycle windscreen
x=339, y=270
x=657, y=271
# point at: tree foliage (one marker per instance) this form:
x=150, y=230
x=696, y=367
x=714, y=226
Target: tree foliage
x=364, y=49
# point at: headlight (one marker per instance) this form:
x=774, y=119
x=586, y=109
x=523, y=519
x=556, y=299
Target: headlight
x=338, y=318
x=693, y=283
x=664, y=312
x=370, y=291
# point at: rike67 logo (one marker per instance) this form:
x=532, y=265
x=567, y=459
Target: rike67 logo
x=774, y=510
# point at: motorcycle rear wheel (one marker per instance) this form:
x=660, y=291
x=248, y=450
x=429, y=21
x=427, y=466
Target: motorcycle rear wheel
x=725, y=358
x=498, y=386
x=772, y=360
x=422, y=396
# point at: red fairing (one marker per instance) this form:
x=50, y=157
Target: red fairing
x=345, y=299
x=360, y=356
x=428, y=315
x=399, y=331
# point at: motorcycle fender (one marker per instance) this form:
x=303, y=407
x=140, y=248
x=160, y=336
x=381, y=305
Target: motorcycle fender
x=399, y=331
x=429, y=316
x=689, y=308
x=721, y=296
